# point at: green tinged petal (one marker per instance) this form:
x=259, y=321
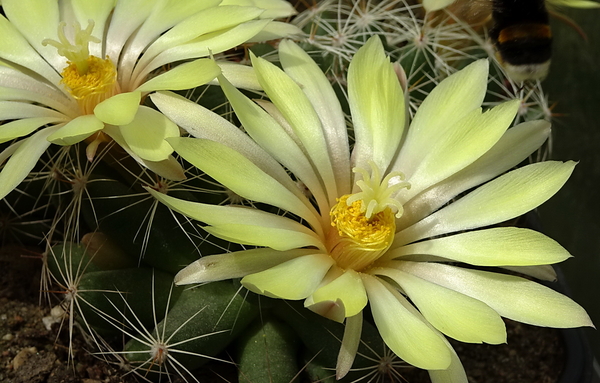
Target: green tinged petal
x=184, y=76
x=455, y=373
x=376, y=103
x=15, y=48
x=506, y=197
x=274, y=9
x=272, y=137
x=289, y=98
x=512, y=297
x=146, y=134
x=405, y=333
x=459, y=146
x=241, y=76
x=349, y=347
x=516, y=144
x=273, y=237
x=76, y=130
x=210, y=31
x=294, y=279
x=347, y=290
x=36, y=20
x=315, y=85
x=14, y=110
x=243, y=177
x=244, y=225
x=235, y=265
x=23, y=160
x=500, y=246
x=454, y=314
x=119, y=109
x=449, y=102
x=23, y=127
x=275, y=30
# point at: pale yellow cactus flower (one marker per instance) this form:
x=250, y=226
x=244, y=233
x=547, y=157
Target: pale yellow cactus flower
x=77, y=70
x=388, y=223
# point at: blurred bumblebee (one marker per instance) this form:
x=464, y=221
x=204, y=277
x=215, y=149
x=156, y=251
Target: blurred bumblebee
x=522, y=37
x=520, y=31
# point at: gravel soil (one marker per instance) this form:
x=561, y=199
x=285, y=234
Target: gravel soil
x=32, y=353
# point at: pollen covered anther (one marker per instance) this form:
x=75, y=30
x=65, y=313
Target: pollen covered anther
x=365, y=221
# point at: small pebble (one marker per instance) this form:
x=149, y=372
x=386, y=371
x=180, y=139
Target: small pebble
x=8, y=336
x=22, y=357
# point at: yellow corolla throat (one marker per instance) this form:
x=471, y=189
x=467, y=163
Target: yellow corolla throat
x=365, y=222
x=88, y=78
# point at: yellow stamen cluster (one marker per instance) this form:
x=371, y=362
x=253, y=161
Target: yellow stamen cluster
x=94, y=86
x=365, y=221
x=360, y=240
x=89, y=79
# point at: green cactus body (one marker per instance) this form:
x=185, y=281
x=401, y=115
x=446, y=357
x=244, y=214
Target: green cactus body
x=202, y=322
x=122, y=213
x=130, y=296
x=267, y=353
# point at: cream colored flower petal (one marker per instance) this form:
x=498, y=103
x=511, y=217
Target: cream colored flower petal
x=241, y=76
x=15, y=48
x=185, y=76
x=406, y=334
x=274, y=9
x=17, y=86
x=169, y=168
x=36, y=20
x=202, y=123
x=293, y=279
x=512, y=297
x=347, y=289
x=146, y=134
x=158, y=17
x=207, y=27
x=349, y=347
x=460, y=146
x=376, y=103
x=120, y=109
x=12, y=110
x=455, y=373
x=235, y=265
x=76, y=130
x=506, y=197
x=289, y=98
x=22, y=127
x=276, y=30
x=516, y=144
x=435, y=5
x=254, y=219
x=500, y=246
x=126, y=18
x=243, y=177
x=449, y=102
x=274, y=237
x=315, y=85
x=23, y=159
x=271, y=136
x=454, y=314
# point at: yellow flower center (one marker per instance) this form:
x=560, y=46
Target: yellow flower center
x=365, y=221
x=88, y=78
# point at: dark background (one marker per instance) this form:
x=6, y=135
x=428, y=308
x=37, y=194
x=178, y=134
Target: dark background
x=572, y=217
